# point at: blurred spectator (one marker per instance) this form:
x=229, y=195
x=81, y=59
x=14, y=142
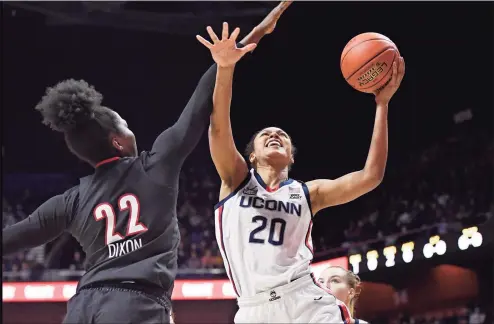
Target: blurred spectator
x=194, y=262
x=476, y=317
x=207, y=261
x=25, y=272
x=76, y=262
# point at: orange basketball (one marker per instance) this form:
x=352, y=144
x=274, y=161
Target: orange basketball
x=367, y=61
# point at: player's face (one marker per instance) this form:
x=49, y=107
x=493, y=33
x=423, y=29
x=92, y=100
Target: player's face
x=273, y=145
x=125, y=141
x=335, y=280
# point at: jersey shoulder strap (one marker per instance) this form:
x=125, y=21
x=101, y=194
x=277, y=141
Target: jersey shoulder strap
x=234, y=192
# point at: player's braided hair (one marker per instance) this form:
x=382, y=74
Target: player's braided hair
x=250, y=149
x=74, y=108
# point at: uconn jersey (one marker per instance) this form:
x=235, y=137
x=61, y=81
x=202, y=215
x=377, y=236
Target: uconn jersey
x=264, y=235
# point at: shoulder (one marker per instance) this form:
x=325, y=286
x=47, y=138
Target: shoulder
x=71, y=199
x=310, y=188
x=72, y=193
x=227, y=192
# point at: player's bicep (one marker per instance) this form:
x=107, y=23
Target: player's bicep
x=228, y=161
x=326, y=193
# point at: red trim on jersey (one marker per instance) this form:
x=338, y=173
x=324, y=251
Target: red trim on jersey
x=307, y=239
x=345, y=314
x=107, y=161
x=220, y=222
x=272, y=189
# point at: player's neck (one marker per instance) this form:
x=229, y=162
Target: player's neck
x=271, y=176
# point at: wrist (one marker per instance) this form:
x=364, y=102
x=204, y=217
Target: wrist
x=382, y=105
x=226, y=68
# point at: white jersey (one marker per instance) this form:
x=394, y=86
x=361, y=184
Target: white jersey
x=264, y=235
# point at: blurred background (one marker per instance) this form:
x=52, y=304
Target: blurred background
x=422, y=242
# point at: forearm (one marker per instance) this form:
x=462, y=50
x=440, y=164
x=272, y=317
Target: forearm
x=227, y=160
x=254, y=36
x=25, y=234
x=220, y=118
x=183, y=136
x=45, y=224
x=375, y=165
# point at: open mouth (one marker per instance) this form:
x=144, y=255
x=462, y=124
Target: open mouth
x=274, y=143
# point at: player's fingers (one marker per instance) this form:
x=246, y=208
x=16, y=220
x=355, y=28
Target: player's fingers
x=213, y=36
x=394, y=76
x=401, y=69
x=284, y=5
x=204, y=41
x=247, y=48
x=399, y=73
x=235, y=34
x=224, y=33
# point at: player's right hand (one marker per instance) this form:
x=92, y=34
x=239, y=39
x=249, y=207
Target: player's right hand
x=225, y=51
x=269, y=23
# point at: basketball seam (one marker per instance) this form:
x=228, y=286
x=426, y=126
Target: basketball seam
x=367, y=40
x=362, y=65
x=390, y=70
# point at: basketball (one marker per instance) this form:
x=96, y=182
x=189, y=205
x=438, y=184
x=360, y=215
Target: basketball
x=367, y=61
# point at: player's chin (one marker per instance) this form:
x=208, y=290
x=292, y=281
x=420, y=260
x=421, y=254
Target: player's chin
x=278, y=156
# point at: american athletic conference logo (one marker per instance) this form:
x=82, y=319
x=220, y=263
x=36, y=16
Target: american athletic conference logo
x=250, y=191
x=273, y=296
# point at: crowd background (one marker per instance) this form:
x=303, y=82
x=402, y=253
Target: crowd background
x=439, y=177
x=448, y=186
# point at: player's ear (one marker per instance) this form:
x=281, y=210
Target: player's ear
x=351, y=293
x=252, y=158
x=292, y=159
x=117, y=144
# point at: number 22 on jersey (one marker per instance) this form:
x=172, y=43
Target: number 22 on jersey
x=125, y=202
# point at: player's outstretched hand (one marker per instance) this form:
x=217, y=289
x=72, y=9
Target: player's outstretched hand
x=269, y=23
x=385, y=95
x=225, y=51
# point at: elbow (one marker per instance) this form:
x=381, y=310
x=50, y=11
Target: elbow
x=373, y=178
x=214, y=130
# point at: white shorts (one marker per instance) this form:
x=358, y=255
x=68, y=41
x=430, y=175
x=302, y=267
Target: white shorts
x=301, y=301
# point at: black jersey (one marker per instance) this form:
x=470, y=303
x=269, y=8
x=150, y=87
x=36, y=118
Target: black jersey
x=124, y=215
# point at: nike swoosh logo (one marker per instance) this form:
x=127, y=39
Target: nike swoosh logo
x=318, y=298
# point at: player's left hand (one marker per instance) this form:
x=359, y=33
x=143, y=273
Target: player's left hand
x=225, y=51
x=384, y=96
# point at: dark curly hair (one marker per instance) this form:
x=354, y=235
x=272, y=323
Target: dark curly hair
x=74, y=108
x=250, y=148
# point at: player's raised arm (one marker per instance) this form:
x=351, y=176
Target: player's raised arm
x=325, y=193
x=46, y=223
x=229, y=163
x=179, y=140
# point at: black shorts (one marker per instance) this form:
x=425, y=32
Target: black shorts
x=111, y=304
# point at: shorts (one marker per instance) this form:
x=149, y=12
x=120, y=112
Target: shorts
x=115, y=304
x=300, y=301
